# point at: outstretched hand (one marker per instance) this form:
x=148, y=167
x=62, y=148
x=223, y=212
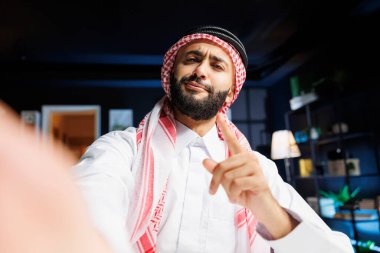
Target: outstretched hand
x=40, y=208
x=245, y=184
x=240, y=174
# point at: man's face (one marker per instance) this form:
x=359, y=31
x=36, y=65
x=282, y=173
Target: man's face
x=202, y=80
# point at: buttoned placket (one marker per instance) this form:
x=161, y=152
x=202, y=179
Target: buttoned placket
x=194, y=218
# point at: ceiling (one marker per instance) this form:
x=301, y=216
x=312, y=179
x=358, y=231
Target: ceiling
x=114, y=39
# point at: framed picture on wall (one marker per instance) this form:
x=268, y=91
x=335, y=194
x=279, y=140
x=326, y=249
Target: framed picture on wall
x=120, y=119
x=229, y=114
x=33, y=119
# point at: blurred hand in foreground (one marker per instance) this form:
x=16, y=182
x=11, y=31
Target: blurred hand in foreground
x=41, y=210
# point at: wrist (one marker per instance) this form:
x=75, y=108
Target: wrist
x=276, y=220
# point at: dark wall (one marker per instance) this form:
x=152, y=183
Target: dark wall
x=279, y=96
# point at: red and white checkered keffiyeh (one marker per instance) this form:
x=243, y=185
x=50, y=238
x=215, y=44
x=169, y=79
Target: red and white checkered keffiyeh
x=169, y=59
x=156, y=137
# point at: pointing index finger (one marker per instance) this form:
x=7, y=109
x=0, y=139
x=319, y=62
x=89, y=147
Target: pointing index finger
x=229, y=137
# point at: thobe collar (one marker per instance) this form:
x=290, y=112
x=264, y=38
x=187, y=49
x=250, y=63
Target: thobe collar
x=186, y=136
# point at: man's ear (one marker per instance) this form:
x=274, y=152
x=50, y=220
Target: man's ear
x=230, y=94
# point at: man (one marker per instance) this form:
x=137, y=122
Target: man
x=186, y=180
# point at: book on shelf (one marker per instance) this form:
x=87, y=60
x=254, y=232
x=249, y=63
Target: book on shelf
x=367, y=204
x=368, y=214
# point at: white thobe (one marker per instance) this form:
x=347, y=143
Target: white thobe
x=193, y=220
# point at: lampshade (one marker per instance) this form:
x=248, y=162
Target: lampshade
x=284, y=145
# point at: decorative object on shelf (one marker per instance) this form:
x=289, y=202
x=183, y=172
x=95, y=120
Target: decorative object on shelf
x=336, y=167
x=339, y=127
x=313, y=203
x=300, y=101
x=342, y=197
x=303, y=89
x=353, y=166
x=295, y=86
x=315, y=132
x=328, y=207
x=306, y=167
x=120, y=119
x=301, y=136
x=284, y=147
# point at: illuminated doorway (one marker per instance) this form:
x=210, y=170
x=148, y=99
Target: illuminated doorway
x=75, y=126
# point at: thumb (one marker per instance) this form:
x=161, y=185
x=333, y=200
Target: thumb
x=210, y=165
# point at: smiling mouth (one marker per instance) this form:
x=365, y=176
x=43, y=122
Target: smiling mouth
x=196, y=86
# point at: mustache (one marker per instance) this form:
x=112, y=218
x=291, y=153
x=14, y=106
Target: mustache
x=198, y=80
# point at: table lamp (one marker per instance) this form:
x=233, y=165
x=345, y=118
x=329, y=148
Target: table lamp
x=284, y=147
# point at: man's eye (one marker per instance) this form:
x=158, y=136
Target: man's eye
x=191, y=60
x=217, y=66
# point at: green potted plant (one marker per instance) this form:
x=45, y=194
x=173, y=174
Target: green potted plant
x=342, y=196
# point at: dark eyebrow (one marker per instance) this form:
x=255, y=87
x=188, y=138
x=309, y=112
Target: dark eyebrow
x=196, y=52
x=218, y=59
x=214, y=57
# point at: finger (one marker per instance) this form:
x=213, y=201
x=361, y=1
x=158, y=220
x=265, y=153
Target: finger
x=229, y=137
x=239, y=185
x=231, y=176
x=210, y=165
x=230, y=163
x=221, y=168
x=234, y=174
x=217, y=177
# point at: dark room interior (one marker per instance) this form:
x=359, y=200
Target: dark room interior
x=312, y=69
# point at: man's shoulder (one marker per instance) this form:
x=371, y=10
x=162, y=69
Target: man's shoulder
x=113, y=144
x=127, y=136
x=111, y=155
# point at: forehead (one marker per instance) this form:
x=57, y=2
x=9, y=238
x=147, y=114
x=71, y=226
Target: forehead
x=205, y=46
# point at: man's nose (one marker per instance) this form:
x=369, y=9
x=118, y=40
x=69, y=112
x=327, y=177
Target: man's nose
x=201, y=70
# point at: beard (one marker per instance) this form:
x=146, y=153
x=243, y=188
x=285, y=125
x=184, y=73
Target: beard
x=197, y=109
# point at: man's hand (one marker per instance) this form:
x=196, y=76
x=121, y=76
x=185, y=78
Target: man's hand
x=240, y=174
x=245, y=184
x=41, y=211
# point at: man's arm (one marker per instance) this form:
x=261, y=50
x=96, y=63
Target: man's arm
x=40, y=207
x=105, y=179
x=246, y=181
x=311, y=234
